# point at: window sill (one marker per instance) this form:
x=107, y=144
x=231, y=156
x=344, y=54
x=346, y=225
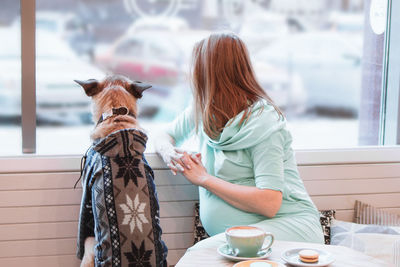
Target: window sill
x=35, y=163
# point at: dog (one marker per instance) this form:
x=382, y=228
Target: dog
x=119, y=215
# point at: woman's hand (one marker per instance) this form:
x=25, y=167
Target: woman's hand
x=194, y=170
x=177, y=164
x=170, y=154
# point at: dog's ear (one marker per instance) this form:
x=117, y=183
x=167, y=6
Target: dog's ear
x=90, y=86
x=137, y=88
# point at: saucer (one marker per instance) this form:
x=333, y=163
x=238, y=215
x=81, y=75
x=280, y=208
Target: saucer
x=292, y=257
x=260, y=263
x=226, y=252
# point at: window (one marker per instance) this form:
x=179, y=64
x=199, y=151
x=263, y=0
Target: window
x=10, y=80
x=330, y=65
x=129, y=48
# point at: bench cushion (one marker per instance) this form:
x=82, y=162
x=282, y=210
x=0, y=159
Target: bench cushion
x=367, y=214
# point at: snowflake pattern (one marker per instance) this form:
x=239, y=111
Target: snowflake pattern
x=138, y=257
x=134, y=213
x=128, y=169
x=138, y=242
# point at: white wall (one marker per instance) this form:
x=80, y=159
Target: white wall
x=39, y=207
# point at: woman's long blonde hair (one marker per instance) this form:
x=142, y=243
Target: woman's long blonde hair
x=224, y=82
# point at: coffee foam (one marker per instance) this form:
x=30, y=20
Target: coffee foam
x=245, y=232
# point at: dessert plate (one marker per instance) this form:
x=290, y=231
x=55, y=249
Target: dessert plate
x=291, y=256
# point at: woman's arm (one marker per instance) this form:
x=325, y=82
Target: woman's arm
x=167, y=137
x=266, y=202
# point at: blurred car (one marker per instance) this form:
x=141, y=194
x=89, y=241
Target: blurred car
x=286, y=89
x=155, y=56
x=145, y=56
x=67, y=26
x=49, y=21
x=58, y=99
x=259, y=29
x=329, y=66
x=160, y=58
x=148, y=58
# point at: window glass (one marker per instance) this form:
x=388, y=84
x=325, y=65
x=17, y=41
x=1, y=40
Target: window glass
x=10, y=79
x=129, y=48
x=309, y=57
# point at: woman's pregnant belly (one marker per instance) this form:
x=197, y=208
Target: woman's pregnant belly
x=216, y=215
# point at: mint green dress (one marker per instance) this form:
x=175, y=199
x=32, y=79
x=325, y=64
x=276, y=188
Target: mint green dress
x=257, y=153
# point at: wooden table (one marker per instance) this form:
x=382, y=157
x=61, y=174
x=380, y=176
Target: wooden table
x=204, y=253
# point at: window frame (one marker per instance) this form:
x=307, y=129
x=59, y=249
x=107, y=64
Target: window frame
x=28, y=75
x=390, y=122
x=390, y=111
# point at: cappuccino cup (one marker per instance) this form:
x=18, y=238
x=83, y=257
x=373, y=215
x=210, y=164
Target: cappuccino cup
x=248, y=241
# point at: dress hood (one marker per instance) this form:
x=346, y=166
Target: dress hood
x=263, y=121
x=122, y=143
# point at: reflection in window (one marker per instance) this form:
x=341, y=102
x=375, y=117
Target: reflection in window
x=309, y=57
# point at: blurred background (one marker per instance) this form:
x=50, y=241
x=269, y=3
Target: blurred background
x=313, y=57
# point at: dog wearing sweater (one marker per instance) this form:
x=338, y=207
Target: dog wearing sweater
x=119, y=214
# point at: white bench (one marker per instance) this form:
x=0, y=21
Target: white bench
x=39, y=207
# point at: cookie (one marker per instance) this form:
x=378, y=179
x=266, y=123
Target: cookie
x=308, y=255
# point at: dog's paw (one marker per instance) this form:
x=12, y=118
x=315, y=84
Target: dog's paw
x=87, y=261
x=88, y=257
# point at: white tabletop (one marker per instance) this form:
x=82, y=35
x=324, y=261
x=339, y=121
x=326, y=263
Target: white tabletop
x=204, y=253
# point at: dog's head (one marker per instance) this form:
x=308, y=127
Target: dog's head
x=113, y=92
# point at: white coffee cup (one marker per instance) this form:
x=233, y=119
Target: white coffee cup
x=248, y=241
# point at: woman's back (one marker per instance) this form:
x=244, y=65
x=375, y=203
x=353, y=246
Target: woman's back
x=256, y=153
x=248, y=171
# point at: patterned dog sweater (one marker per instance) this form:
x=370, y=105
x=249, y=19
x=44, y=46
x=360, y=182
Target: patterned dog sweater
x=119, y=204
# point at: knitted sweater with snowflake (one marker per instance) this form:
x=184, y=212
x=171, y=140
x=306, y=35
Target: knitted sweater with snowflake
x=119, y=203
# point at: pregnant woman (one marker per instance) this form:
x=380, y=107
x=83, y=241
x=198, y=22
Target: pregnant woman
x=249, y=176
